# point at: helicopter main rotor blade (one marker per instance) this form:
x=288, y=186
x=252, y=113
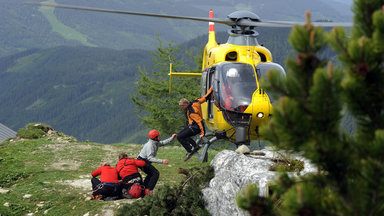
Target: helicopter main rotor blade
x=226, y=21
x=245, y=22
x=221, y=21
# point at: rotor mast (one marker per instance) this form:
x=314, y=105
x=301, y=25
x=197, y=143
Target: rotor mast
x=243, y=34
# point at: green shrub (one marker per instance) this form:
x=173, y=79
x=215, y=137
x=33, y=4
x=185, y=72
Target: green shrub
x=287, y=165
x=255, y=205
x=33, y=131
x=184, y=199
x=40, y=126
x=10, y=178
x=14, y=209
x=30, y=133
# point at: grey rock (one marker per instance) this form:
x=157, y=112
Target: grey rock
x=3, y=191
x=235, y=171
x=243, y=149
x=27, y=196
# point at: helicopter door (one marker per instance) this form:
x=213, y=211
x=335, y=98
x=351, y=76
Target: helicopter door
x=211, y=100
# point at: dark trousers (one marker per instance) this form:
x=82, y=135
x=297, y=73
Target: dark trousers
x=106, y=189
x=128, y=181
x=184, y=137
x=153, y=174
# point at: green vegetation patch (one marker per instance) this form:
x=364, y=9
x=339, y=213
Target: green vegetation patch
x=65, y=31
x=33, y=131
x=24, y=63
x=182, y=199
x=287, y=165
x=9, y=178
x=30, y=133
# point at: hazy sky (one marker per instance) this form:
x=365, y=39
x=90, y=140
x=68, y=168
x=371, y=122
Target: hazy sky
x=350, y=2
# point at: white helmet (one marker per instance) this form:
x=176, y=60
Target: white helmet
x=232, y=72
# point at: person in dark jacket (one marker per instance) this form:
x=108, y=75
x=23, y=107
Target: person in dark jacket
x=108, y=185
x=148, y=154
x=195, y=124
x=128, y=172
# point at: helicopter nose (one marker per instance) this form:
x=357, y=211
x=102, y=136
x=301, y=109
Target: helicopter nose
x=260, y=106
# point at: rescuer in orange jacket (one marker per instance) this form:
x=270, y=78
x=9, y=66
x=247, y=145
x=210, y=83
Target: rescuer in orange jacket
x=195, y=123
x=108, y=185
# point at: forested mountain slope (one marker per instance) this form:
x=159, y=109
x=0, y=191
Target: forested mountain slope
x=83, y=91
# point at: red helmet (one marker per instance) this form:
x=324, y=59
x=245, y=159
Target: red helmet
x=153, y=134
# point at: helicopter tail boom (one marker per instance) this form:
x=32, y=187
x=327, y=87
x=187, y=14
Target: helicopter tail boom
x=179, y=74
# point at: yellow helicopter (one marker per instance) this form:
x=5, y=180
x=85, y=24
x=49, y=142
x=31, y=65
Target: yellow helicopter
x=238, y=106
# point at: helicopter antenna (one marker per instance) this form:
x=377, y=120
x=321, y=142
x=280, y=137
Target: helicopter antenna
x=211, y=24
x=211, y=37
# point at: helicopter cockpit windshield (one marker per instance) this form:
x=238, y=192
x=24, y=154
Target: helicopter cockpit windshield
x=237, y=85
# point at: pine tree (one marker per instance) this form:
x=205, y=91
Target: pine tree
x=307, y=120
x=157, y=108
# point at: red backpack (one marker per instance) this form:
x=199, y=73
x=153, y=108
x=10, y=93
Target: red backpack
x=135, y=190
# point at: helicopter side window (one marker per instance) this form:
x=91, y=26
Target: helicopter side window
x=231, y=56
x=203, y=82
x=237, y=85
x=262, y=57
x=263, y=68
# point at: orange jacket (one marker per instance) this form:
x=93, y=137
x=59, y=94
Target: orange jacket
x=194, y=113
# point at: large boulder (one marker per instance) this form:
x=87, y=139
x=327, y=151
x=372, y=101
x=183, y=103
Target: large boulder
x=234, y=171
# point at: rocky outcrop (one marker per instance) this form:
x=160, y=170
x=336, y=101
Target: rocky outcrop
x=234, y=171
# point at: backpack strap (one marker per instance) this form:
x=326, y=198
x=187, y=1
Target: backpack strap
x=190, y=109
x=133, y=178
x=124, y=166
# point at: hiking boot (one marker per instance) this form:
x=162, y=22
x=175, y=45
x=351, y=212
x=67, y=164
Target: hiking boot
x=195, y=149
x=192, y=152
x=189, y=155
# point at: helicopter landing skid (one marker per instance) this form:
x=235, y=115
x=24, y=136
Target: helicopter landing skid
x=203, y=157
